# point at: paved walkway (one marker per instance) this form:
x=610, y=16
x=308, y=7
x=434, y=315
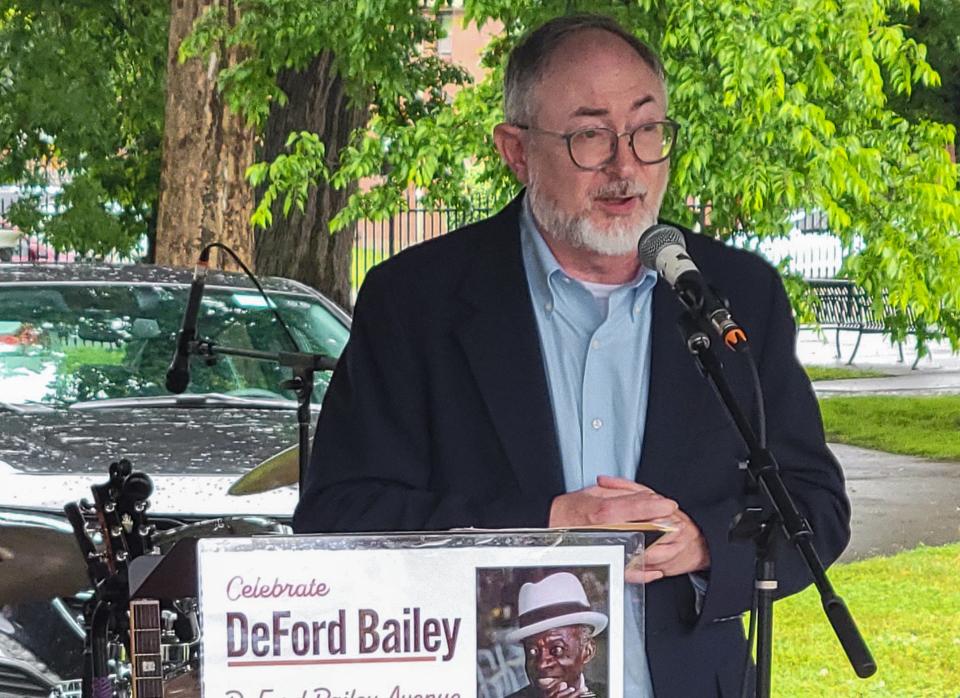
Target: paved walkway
x=922, y=381
x=898, y=501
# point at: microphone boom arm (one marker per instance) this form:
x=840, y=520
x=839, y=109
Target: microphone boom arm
x=303, y=365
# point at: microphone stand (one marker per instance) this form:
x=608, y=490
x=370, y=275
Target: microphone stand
x=764, y=473
x=303, y=366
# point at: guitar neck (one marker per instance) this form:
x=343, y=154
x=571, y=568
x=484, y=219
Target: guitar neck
x=145, y=656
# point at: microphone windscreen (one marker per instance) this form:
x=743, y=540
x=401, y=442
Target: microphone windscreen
x=654, y=239
x=177, y=380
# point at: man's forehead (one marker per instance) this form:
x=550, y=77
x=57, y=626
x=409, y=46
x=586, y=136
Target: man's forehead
x=586, y=110
x=589, y=77
x=563, y=632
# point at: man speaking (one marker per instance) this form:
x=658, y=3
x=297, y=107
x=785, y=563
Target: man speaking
x=527, y=370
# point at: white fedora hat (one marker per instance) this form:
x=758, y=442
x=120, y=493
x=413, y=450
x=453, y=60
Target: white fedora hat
x=554, y=602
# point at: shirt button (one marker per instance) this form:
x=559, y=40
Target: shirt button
x=595, y=344
x=596, y=423
x=636, y=309
x=548, y=306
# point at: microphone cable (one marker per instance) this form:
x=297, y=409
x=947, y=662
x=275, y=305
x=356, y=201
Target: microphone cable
x=250, y=275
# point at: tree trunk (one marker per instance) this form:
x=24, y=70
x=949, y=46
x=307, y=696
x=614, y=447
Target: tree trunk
x=300, y=246
x=204, y=196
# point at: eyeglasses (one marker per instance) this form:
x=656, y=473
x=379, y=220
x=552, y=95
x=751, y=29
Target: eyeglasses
x=594, y=148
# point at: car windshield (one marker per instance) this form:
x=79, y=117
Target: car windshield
x=62, y=344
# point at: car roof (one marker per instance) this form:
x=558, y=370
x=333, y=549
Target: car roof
x=139, y=273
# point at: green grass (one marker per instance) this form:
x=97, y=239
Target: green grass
x=907, y=608
x=927, y=426
x=829, y=373
x=75, y=357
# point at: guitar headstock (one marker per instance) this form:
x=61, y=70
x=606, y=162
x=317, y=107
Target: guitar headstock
x=120, y=505
x=132, y=506
x=119, y=512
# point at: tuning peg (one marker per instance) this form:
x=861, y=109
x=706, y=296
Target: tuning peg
x=137, y=486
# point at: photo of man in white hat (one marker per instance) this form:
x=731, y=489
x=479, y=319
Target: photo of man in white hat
x=558, y=628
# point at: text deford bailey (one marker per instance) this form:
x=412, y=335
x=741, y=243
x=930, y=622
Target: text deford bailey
x=281, y=636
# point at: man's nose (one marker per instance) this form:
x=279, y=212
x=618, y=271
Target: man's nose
x=624, y=162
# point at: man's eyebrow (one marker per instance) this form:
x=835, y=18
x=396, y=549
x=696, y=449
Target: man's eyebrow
x=600, y=111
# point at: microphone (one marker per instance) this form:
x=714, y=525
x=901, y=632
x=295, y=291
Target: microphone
x=662, y=247
x=178, y=374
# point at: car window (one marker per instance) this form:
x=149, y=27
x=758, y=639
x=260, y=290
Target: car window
x=62, y=343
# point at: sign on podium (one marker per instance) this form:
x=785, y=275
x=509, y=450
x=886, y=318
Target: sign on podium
x=473, y=614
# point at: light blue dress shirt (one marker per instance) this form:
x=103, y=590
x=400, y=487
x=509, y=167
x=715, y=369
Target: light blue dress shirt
x=597, y=357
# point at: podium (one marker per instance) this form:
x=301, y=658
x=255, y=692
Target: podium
x=449, y=613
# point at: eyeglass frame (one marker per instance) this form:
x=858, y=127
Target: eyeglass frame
x=568, y=137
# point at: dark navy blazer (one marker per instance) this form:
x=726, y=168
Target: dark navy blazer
x=438, y=416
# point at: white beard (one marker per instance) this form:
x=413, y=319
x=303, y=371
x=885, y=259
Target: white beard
x=577, y=230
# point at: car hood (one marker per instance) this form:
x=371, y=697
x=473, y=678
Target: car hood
x=193, y=456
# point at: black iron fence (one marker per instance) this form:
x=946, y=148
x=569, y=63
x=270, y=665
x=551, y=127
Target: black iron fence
x=17, y=247
x=375, y=241
x=811, y=250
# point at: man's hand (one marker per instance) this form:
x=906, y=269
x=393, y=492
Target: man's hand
x=616, y=500
x=612, y=500
x=555, y=688
x=681, y=551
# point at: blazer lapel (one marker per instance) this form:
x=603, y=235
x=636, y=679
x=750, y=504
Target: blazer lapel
x=500, y=340
x=676, y=391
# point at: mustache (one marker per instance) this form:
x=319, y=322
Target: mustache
x=619, y=189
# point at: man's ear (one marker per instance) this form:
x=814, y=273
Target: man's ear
x=589, y=650
x=510, y=145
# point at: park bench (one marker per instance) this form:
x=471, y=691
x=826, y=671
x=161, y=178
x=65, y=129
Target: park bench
x=843, y=306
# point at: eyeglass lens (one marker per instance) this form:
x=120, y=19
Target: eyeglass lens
x=594, y=147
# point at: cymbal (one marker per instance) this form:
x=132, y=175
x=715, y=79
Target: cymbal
x=279, y=470
x=39, y=563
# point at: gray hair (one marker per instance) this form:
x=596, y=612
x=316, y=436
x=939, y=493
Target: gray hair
x=529, y=58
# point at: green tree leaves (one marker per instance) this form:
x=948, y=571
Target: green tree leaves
x=81, y=93
x=785, y=105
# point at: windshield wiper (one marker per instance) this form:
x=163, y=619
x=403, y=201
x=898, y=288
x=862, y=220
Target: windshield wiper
x=189, y=400
x=25, y=408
